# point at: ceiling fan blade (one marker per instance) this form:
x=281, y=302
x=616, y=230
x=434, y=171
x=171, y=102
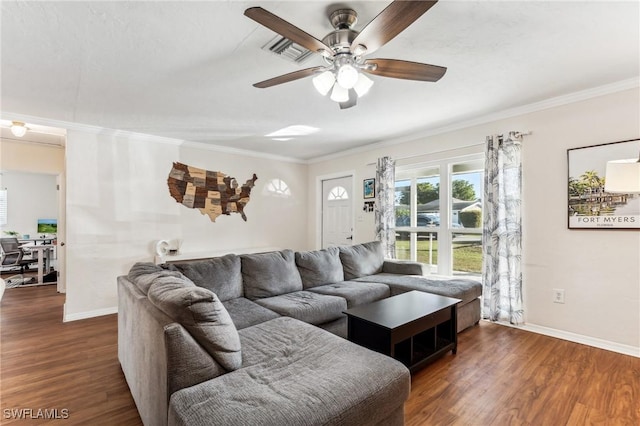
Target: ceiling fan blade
x=287, y=30
x=285, y=78
x=353, y=100
x=389, y=23
x=407, y=70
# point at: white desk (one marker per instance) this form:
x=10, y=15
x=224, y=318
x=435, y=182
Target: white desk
x=36, y=241
x=44, y=259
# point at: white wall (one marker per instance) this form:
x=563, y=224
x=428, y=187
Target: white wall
x=30, y=157
x=599, y=270
x=118, y=207
x=30, y=196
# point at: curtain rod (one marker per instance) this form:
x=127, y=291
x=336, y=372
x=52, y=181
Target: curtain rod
x=516, y=134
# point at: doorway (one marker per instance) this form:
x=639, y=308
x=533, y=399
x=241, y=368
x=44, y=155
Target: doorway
x=337, y=211
x=32, y=179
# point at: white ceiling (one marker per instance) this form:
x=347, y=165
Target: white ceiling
x=185, y=70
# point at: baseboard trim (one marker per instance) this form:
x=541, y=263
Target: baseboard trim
x=578, y=338
x=88, y=314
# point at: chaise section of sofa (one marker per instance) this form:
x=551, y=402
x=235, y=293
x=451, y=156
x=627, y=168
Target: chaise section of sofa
x=467, y=290
x=365, y=263
x=297, y=374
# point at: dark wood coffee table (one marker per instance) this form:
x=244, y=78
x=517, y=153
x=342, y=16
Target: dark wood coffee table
x=414, y=327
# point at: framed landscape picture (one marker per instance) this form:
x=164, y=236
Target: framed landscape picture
x=369, y=188
x=589, y=205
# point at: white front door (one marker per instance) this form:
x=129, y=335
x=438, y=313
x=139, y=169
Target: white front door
x=337, y=212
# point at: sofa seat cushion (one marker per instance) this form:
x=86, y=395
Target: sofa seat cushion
x=296, y=374
x=269, y=274
x=361, y=259
x=460, y=288
x=221, y=275
x=355, y=292
x=245, y=313
x=203, y=315
x=319, y=267
x=306, y=306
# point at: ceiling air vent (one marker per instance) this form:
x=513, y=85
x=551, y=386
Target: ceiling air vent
x=287, y=49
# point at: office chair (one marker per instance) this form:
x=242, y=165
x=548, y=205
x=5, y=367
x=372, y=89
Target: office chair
x=13, y=256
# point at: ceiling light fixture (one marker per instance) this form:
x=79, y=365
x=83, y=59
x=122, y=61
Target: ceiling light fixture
x=342, y=77
x=339, y=93
x=293, y=131
x=324, y=82
x=363, y=85
x=343, y=49
x=18, y=129
x=347, y=76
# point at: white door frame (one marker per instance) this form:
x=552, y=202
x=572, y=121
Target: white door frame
x=319, y=200
x=61, y=236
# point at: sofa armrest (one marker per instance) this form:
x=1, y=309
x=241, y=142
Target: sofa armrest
x=405, y=267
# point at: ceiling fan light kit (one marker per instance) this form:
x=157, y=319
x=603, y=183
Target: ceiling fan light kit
x=339, y=94
x=323, y=82
x=363, y=85
x=343, y=50
x=347, y=76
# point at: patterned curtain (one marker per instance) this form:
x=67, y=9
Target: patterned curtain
x=385, y=206
x=502, y=230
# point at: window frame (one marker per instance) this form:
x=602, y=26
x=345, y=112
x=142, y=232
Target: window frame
x=444, y=230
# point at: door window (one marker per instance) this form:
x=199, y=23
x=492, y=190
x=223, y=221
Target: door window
x=338, y=193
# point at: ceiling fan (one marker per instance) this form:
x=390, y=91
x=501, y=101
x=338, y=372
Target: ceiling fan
x=343, y=50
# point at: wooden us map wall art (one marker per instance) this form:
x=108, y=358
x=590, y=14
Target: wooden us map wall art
x=213, y=193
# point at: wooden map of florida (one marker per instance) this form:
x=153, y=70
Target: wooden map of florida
x=213, y=193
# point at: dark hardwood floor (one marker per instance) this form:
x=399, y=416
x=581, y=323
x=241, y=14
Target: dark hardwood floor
x=506, y=376
x=500, y=376
x=71, y=367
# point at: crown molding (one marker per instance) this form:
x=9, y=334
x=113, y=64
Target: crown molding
x=582, y=95
x=509, y=113
x=143, y=137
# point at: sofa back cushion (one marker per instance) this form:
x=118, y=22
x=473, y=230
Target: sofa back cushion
x=269, y=274
x=221, y=275
x=143, y=274
x=203, y=315
x=319, y=267
x=362, y=259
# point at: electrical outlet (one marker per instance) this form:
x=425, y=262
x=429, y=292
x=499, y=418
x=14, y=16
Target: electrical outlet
x=558, y=295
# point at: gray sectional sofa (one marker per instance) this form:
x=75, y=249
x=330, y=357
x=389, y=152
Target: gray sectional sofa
x=242, y=340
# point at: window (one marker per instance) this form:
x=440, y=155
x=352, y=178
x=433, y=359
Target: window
x=338, y=193
x=439, y=214
x=278, y=187
x=3, y=207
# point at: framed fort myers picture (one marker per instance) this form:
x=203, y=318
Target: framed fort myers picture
x=590, y=206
